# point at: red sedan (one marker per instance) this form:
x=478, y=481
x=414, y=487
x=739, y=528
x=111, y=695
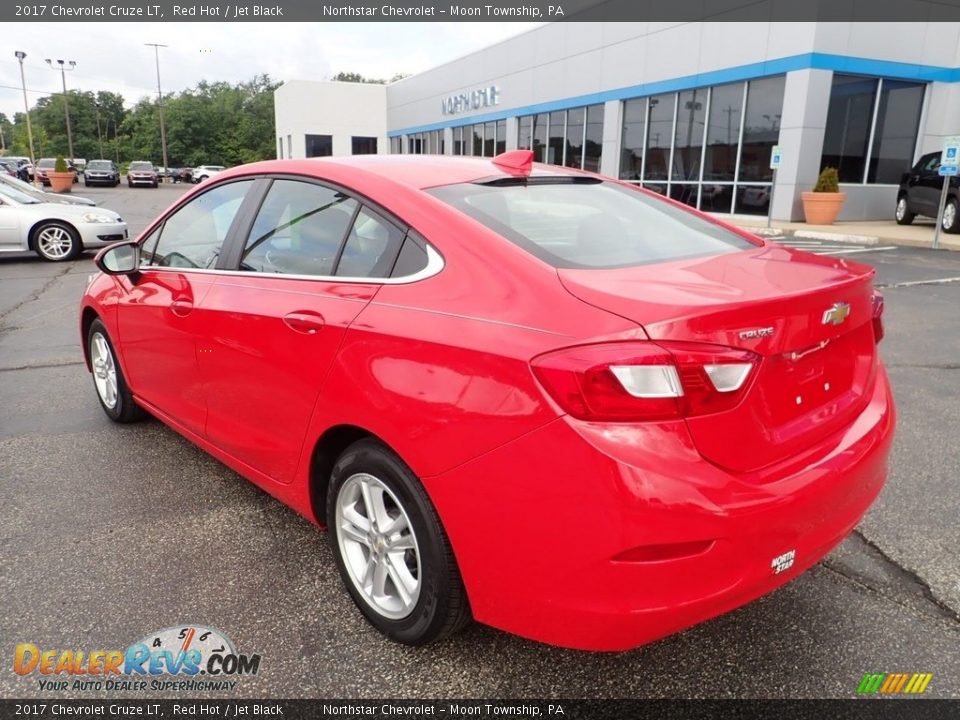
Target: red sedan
x=561, y=405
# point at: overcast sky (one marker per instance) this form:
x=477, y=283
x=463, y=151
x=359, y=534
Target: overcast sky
x=112, y=56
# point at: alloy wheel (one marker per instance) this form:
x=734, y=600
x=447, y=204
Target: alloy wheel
x=378, y=546
x=104, y=370
x=901, y=208
x=55, y=242
x=949, y=216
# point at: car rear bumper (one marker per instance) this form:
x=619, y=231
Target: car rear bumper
x=606, y=537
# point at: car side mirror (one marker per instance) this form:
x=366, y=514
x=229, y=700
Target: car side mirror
x=120, y=259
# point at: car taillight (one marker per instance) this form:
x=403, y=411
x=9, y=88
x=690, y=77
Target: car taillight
x=877, y=316
x=638, y=381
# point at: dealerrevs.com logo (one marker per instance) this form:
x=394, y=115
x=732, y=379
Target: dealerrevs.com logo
x=191, y=658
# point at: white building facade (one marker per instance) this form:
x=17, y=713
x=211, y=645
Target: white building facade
x=691, y=110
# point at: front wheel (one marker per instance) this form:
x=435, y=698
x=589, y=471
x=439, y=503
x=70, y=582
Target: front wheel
x=903, y=214
x=55, y=242
x=112, y=391
x=951, y=220
x=391, y=550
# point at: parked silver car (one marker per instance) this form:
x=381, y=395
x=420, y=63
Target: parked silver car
x=36, y=193
x=54, y=231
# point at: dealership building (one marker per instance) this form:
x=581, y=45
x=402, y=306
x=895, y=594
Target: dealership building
x=691, y=110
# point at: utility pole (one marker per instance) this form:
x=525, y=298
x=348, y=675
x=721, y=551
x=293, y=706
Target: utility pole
x=99, y=136
x=26, y=108
x=163, y=130
x=66, y=107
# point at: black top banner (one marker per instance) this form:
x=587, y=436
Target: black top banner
x=222, y=11
x=457, y=709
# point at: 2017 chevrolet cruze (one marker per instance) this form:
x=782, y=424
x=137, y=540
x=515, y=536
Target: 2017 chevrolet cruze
x=553, y=402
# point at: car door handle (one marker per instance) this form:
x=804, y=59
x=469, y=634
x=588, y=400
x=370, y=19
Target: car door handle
x=304, y=321
x=181, y=307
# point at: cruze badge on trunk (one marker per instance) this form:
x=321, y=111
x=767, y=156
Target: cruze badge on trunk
x=836, y=314
x=755, y=333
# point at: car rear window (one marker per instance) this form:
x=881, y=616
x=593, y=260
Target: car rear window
x=586, y=223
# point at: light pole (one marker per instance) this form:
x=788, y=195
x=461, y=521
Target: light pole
x=66, y=107
x=99, y=136
x=163, y=130
x=26, y=107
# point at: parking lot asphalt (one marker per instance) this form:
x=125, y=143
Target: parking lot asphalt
x=110, y=532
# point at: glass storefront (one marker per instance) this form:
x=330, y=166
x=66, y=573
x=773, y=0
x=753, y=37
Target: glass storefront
x=573, y=138
x=706, y=147
x=872, y=126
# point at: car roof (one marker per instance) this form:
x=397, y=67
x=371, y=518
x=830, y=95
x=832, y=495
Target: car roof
x=416, y=171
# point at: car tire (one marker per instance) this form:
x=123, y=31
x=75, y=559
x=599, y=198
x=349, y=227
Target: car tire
x=902, y=214
x=155, y=185
x=421, y=598
x=111, y=386
x=201, y=179
x=951, y=217
x=86, y=183
x=56, y=241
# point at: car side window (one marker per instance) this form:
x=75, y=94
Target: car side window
x=371, y=247
x=193, y=235
x=412, y=258
x=298, y=230
x=932, y=163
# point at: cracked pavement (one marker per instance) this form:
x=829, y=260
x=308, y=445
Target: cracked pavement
x=111, y=532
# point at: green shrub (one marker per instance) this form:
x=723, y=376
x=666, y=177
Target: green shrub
x=828, y=182
x=60, y=165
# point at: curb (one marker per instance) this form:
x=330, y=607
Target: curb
x=947, y=242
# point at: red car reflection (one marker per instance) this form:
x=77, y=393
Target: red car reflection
x=556, y=403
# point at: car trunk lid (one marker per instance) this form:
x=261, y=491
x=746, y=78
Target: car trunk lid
x=808, y=317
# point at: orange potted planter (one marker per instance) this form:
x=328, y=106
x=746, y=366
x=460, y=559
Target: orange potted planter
x=822, y=206
x=61, y=177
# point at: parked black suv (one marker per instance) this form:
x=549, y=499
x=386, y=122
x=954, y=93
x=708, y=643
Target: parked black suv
x=101, y=172
x=919, y=194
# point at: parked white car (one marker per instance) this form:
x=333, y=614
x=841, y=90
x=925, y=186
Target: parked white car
x=33, y=191
x=53, y=230
x=203, y=172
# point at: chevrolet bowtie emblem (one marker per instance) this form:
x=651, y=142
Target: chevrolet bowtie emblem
x=836, y=314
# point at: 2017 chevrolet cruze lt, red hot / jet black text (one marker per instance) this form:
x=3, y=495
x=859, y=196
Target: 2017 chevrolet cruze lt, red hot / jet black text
x=558, y=404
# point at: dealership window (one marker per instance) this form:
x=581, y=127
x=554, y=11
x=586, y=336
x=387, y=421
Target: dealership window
x=316, y=145
x=872, y=126
x=501, y=142
x=364, y=145
x=458, y=141
x=489, y=139
x=659, y=133
x=593, y=139
x=632, y=138
x=706, y=147
x=396, y=145
x=573, y=152
x=524, y=133
x=571, y=137
x=477, y=143
x=723, y=132
x=415, y=144
x=761, y=128
x=540, y=123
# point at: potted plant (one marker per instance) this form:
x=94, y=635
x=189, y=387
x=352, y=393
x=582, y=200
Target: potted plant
x=61, y=177
x=822, y=206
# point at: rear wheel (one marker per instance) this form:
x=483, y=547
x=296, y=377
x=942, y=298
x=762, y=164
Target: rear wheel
x=951, y=221
x=56, y=242
x=903, y=214
x=391, y=550
x=112, y=391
